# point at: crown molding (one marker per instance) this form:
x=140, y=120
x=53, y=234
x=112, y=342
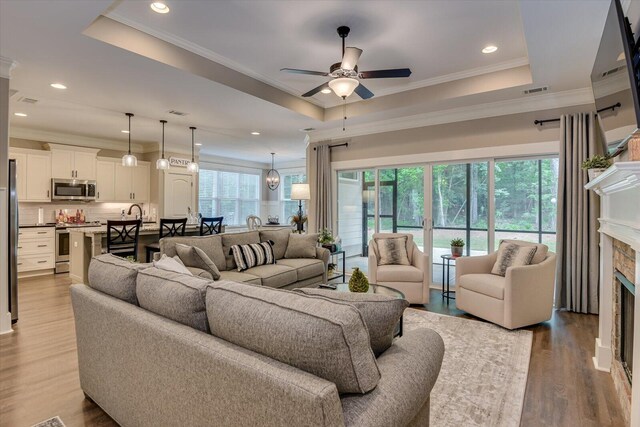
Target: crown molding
x=500, y=108
x=615, y=84
x=78, y=140
x=6, y=65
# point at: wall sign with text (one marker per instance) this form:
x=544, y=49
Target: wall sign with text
x=176, y=161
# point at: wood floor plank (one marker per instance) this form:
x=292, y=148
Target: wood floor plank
x=39, y=376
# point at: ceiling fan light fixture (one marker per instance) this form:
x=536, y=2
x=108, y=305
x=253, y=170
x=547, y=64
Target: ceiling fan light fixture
x=343, y=86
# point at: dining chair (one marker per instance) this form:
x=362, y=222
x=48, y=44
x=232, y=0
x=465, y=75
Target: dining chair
x=169, y=227
x=212, y=225
x=122, y=238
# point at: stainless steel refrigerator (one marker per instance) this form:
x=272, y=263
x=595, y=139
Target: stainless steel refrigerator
x=13, y=242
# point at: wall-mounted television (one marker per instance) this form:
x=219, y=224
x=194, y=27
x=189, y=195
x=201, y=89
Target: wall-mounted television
x=615, y=77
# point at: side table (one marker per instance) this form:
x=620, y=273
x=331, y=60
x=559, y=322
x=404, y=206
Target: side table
x=445, y=267
x=339, y=276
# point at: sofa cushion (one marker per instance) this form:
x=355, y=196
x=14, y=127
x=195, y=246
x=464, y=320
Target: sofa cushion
x=392, y=251
x=399, y=273
x=306, y=268
x=541, y=249
x=198, y=272
x=301, y=246
x=486, y=284
x=211, y=245
x=230, y=239
x=280, y=239
x=244, y=277
x=325, y=338
x=193, y=256
x=248, y=256
x=274, y=275
x=512, y=255
x=115, y=276
x=175, y=296
x=381, y=313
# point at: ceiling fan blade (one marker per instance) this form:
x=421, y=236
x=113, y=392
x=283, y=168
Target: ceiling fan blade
x=297, y=71
x=350, y=58
x=316, y=90
x=385, y=74
x=363, y=92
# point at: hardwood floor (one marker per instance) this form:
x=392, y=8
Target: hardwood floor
x=39, y=379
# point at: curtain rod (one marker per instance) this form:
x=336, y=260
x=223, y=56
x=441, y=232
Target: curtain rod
x=611, y=107
x=344, y=144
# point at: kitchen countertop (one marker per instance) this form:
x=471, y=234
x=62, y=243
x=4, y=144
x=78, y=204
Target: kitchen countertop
x=146, y=229
x=50, y=224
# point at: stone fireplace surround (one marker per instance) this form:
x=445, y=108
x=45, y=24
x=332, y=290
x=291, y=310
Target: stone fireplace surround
x=619, y=190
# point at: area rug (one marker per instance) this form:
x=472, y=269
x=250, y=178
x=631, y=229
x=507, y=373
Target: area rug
x=484, y=371
x=51, y=422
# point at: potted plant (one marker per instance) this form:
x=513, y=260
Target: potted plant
x=456, y=247
x=596, y=165
x=331, y=268
x=299, y=221
x=326, y=239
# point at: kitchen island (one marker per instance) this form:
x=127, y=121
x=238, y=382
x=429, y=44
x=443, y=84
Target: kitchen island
x=87, y=242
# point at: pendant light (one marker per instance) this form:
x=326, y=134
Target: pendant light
x=129, y=160
x=193, y=166
x=162, y=163
x=273, y=176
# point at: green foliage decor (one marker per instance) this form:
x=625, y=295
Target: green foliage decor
x=458, y=243
x=295, y=219
x=597, y=162
x=358, y=281
x=325, y=236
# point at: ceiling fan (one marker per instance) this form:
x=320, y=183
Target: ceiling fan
x=345, y=75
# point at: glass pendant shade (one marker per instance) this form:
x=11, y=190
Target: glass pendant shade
x=162, y=163
x=129, y=160
x=273, y=176
x=193, y=166
x=343, y=86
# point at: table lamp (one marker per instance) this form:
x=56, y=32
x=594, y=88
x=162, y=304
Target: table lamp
x=300, y=192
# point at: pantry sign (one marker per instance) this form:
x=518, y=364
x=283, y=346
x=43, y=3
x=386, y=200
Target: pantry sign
x=176, y=161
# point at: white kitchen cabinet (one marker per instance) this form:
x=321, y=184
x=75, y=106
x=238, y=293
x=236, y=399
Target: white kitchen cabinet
x=132, y=183
x=73, y=162
x=123, y=183
x=36, y=249
x=33, y=174
x=106, y=181
x=140, y=182
x=179, y=194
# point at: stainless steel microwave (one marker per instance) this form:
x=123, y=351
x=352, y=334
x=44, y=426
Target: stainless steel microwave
x=73, y=189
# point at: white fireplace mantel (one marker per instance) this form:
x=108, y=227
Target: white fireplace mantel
x=619, y=190
x=619, y=177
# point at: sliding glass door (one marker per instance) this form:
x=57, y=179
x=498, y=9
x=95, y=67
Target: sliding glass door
x=356, y=214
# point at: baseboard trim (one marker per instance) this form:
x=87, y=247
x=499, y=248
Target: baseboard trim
x=602, y=359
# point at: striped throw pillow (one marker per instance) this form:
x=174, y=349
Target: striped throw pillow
x=247, y=256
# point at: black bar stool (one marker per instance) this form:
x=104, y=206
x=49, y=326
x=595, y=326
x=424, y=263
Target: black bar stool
x=122, y=238
x=169, y=227
x=211, y=225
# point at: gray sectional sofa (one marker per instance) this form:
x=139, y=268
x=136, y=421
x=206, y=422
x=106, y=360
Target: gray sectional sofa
x=158, y=348
x=287, y=273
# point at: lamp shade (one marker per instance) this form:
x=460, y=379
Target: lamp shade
x=300, y=192
x=343, y=86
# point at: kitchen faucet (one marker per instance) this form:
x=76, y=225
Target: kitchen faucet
x=137, y=206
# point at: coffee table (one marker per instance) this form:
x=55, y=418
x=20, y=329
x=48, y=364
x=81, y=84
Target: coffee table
x=376, y=289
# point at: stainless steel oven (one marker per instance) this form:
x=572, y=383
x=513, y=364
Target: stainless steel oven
x=62, y=250
x=73, y=189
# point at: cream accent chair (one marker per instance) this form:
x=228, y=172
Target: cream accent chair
x=523, y=297
x=412, y=280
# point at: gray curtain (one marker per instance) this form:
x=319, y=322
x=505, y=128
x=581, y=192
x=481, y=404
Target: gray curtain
x=323, y=187
x=578, y=210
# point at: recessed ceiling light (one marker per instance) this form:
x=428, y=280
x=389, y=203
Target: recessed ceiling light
x=124, y=131
x=489, y=49
x=327, y=90
x=158, y=6
x=20, y=114
x=58, y=86
x=255, y=133
x=198, y=144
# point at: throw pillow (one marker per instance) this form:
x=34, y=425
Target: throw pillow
x=301, y=246
x=393, y=251
x=512, y=255
x=325, y=338
x=192, y=256
x=541, y=249
x=247, y=256
x=380, y=313
x=171, y=264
